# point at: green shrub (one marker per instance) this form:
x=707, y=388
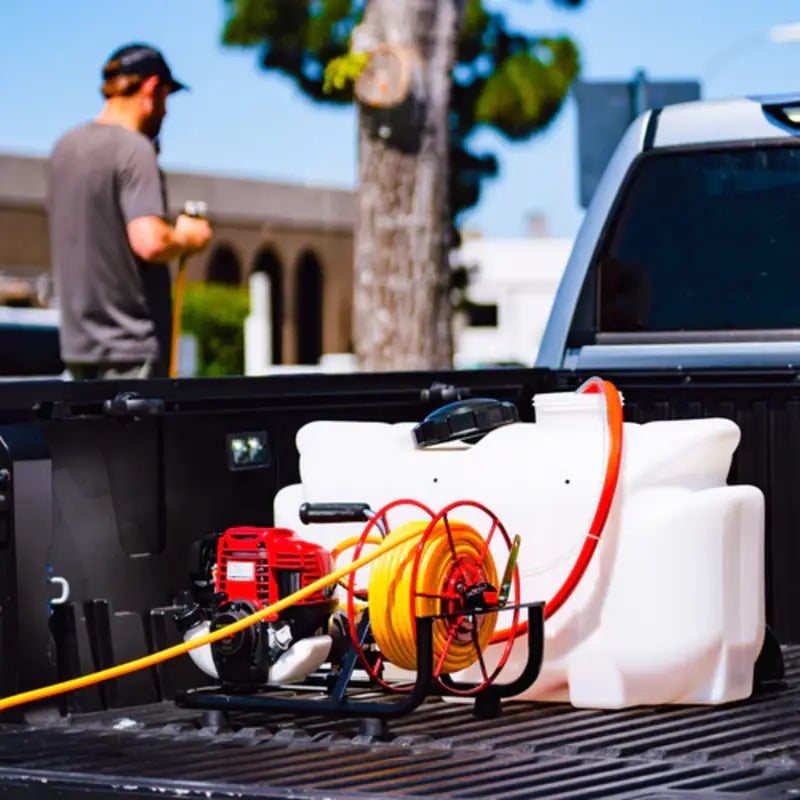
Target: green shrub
x=215, y=314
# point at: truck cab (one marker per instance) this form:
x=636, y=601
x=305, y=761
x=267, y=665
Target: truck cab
x=688, y=253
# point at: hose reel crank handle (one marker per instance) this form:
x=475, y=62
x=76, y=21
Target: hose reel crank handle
x=508, y=575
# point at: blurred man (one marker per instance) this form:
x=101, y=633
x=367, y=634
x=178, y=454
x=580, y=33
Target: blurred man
x=110, y=241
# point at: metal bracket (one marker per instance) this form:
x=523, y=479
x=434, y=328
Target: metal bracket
x=64, y=596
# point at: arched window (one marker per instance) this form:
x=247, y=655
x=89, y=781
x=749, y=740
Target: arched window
x=224, y=266
x=267, y=261
x=308, y=308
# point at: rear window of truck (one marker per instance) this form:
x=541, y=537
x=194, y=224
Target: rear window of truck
x=705, y=241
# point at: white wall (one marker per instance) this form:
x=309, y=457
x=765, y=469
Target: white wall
x=520, y=276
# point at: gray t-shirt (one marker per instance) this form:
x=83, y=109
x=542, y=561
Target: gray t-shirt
x=114, y=306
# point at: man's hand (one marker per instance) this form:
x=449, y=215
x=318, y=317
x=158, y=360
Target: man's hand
x=152, y=239
x=192, y=233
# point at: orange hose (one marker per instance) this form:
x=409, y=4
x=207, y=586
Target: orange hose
x=613, y=463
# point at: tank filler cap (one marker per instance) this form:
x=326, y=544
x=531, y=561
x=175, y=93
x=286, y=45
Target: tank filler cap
x=465, y=420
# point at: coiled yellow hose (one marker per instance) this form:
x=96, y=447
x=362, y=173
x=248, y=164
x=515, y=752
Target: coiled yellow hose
x=397, y=594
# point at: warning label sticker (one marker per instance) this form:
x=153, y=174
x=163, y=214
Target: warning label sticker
x=241, y=570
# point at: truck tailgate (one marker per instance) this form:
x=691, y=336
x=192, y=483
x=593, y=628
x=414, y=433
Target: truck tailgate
x=747, y=749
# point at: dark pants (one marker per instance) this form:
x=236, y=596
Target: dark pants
x=106, y=371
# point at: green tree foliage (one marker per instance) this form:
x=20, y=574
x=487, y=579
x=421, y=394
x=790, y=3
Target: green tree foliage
x=215, y=314
x=510, y=81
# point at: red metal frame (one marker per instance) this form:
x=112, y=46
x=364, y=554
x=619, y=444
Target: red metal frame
x=374, y=669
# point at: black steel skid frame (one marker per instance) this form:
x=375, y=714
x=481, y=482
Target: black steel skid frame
x=337, y=703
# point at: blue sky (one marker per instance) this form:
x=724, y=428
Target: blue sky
x=239, y=120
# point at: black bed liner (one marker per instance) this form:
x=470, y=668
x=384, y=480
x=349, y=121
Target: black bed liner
x=745, y=749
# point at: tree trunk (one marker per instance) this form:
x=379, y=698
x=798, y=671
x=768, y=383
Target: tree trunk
x=401, y=305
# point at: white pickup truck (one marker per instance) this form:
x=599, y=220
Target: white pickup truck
x=688, y=254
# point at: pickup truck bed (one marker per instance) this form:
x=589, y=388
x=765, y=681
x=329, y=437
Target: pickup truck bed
x=747, y=749
x=90, y=487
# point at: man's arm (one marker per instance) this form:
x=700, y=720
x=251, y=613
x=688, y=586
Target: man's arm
x=142, y=203
x=153, y=239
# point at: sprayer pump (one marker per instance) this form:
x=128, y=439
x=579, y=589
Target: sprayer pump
x=242, y=571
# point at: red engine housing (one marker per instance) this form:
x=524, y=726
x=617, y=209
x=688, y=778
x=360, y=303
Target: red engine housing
x=263, y=565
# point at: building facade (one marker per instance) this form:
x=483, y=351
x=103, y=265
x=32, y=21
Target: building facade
x=512, y=283
x=300, y=236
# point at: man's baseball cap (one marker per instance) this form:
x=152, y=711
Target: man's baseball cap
x=142, y=60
